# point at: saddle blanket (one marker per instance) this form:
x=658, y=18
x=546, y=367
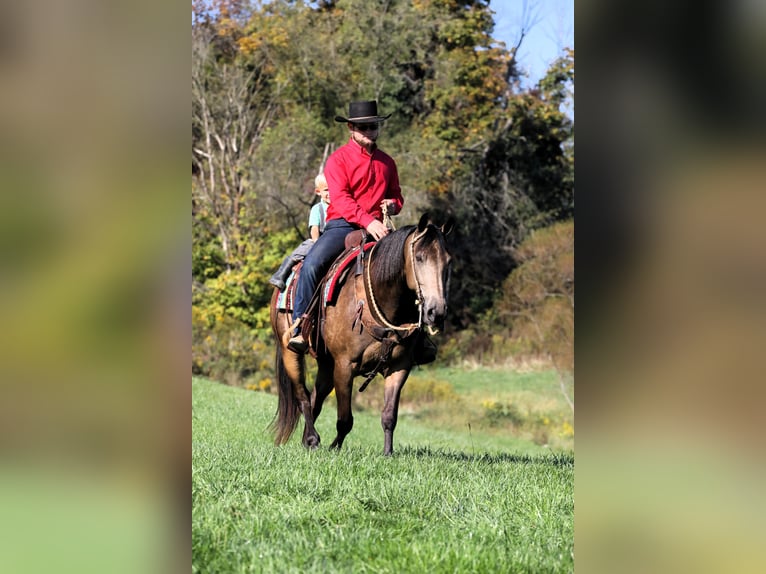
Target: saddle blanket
x=285, y=297
x=331, y=282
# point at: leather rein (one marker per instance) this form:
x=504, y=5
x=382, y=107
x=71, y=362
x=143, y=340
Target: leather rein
x=381, y=329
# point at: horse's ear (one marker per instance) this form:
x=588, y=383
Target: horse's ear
x=448, y=227
x=424, y=220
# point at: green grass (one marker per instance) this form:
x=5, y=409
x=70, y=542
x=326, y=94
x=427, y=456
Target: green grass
x=442, y=503
x=493, y=409
x=489, y=382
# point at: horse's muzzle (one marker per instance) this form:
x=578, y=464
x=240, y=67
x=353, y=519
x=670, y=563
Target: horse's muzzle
x=434, y=314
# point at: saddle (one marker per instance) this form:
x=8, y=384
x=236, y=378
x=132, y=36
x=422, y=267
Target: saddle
x=327, y=289
x=312, y=322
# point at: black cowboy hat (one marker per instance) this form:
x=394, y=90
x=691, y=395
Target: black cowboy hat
x=362, y=112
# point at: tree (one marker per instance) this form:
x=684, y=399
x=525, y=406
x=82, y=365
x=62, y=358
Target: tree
x=520, y=179
x=536, y=303
x=232, y=107
x=267, y=79
x=230, y=110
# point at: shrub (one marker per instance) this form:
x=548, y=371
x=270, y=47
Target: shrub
x=231, y=332
x=537, y=299
x=541, y=426
x=498, y=413
x=227, y=350
x=533, y=314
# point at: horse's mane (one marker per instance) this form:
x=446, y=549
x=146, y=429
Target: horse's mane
x=389, y=256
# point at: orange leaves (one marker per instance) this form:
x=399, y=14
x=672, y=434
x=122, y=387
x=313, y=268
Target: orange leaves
x=248, y=45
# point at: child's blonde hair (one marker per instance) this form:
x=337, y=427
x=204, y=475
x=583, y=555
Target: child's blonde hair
x=320, y=181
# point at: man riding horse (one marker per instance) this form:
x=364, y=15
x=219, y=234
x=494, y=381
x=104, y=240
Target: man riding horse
x=363, y=182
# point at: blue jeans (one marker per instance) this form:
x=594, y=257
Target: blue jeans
x=318, y=260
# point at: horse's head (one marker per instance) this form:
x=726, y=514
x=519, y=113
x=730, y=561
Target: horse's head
x=428, y=272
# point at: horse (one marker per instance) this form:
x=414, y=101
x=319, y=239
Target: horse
x=378, y=318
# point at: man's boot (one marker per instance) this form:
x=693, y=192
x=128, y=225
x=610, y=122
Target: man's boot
x=296, y=343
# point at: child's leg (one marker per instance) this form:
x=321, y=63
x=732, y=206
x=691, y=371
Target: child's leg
x=299, y=253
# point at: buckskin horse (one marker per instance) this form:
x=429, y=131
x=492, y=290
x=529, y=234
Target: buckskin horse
x=371, y=325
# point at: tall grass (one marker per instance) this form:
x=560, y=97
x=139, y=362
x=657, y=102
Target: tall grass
x=508, y=408
x=259, y=508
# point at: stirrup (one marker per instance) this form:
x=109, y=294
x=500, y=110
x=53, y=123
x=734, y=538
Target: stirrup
x=296, y=342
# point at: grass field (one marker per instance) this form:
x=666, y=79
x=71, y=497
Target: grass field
x=494, y=410
x=449, y=500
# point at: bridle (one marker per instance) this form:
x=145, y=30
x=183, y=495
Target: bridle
x=396, y=333
x=407, y=327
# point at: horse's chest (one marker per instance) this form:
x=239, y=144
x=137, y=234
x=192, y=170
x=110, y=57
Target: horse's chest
x=388, y=352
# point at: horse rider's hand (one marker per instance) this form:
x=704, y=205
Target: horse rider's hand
x=377, y=229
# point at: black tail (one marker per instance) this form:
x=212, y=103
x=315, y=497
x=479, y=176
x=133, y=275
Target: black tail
x=288, y=412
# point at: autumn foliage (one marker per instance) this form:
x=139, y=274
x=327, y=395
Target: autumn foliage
x=470, y=141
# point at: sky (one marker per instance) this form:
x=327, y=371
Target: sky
x=552, y=30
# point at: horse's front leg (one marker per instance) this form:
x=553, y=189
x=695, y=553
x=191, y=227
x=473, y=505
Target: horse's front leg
x=393, y=389
x=311, y=438
x=322, y=386
x=343, y=378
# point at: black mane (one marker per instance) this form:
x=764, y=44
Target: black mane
x=389, y=256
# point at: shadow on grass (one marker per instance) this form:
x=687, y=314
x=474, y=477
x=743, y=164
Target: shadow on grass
x=553, y=459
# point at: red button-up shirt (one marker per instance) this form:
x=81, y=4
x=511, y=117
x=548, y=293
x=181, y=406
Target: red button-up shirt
x=358, y=182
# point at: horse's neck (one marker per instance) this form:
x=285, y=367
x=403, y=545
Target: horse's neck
x=399, y=306
x=396, y=300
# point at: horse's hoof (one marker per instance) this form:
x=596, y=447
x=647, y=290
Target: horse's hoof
x=312, y=442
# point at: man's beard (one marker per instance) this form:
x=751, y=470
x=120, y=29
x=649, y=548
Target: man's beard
x=366, y=140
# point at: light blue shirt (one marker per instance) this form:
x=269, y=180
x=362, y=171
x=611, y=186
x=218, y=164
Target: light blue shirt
x=318, y=216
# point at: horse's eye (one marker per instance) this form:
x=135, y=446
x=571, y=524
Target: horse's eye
x=419, y=258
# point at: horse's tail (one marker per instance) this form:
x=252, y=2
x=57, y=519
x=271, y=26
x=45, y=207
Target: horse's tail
x=288, y=411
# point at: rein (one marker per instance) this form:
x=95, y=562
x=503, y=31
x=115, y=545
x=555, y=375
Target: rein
x=400, y=332
x=407, y=327
x=387, y=221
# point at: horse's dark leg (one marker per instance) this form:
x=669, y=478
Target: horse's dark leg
x=322, y=388
x=323, y=385
x=310, y=435
x=343, y=389
x=393, y=389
